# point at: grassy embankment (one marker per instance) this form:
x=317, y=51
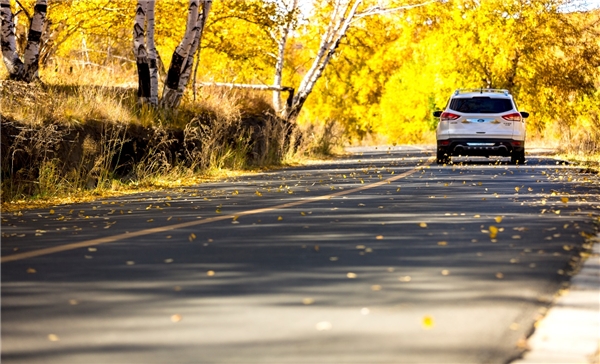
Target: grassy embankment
x=68, y=139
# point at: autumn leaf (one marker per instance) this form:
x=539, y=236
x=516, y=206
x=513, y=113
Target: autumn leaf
x=192, y=237
x=427, y=322
x=31, y=270
x=53, y=337
x=423, y=225
x=493, y=232
x=308, y=301
x=379, y=237
x=176, y=318
x=498, y=219
x=210, y=273
x=351, y=275
x=442, y=243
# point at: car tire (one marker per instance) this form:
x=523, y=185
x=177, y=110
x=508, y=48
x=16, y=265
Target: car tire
x=518, y=157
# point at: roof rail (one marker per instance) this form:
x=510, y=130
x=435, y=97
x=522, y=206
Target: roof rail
x=481, y=90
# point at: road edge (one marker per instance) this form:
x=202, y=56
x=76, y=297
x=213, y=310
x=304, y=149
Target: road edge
x=570, y=332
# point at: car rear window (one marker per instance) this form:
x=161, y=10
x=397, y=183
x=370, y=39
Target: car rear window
x=480, y=105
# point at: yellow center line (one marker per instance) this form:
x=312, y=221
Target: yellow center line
x=162, y=229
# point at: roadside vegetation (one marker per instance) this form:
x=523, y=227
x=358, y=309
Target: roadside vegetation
x=79, y=130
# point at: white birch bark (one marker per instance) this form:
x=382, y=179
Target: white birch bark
x=152, y=54
x=340, y=21
x=32, y=51
x=8, y=41
x=187, y=68
x=286, y=29
x=140, y=51
x=169, y=97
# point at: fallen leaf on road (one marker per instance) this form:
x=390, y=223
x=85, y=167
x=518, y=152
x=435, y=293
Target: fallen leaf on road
x=493, y=232
x=379, y=237
x=192, y=237
x=169, y=260
x=404, y=279
x=423, y=225
x=498, y=219
x=176, y=318
x=308, y=301
x=564, y=199
x=351, y=275
x=499, y=275
x=53, y=337
x=333, y=259
x=442, y=243
x=210, y=273
x=130, y=262
x=445, y=272
x=31, y=270
x=427, y=322
x=279, y=218
x=376, y=287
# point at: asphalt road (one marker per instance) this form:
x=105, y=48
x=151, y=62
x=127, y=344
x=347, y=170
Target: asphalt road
x=376, y=257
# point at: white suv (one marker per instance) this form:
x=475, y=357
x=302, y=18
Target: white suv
x=481, y=122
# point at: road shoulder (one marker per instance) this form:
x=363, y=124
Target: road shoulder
x=570, y=332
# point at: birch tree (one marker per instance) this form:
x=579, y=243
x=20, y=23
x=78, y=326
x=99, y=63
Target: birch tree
x=170, y=97
x=342, y=15
x=280, y=35
x=187, y=68
x=145, y=52
x=26, y=69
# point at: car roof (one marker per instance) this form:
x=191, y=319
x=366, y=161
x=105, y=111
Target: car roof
x=487, y=92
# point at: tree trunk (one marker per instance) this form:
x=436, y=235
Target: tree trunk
x=32, y=51
x=286, y=29
x=169, y=98
x=139, y=49
x=18, y=70
x=152, y=54
x=339, y=23
x=187, y=69
x=8, y=41
x=145, y=52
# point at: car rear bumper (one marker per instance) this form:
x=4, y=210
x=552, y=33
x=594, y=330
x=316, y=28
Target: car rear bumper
x=480, y=147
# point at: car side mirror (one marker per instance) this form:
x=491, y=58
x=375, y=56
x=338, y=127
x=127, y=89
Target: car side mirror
x=438, y=113
x=524, y=114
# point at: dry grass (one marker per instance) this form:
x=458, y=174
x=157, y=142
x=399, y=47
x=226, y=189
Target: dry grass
x=68, y=141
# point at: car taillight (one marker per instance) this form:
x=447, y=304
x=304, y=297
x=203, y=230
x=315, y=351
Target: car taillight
x=448, y=116
x=512, y=117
